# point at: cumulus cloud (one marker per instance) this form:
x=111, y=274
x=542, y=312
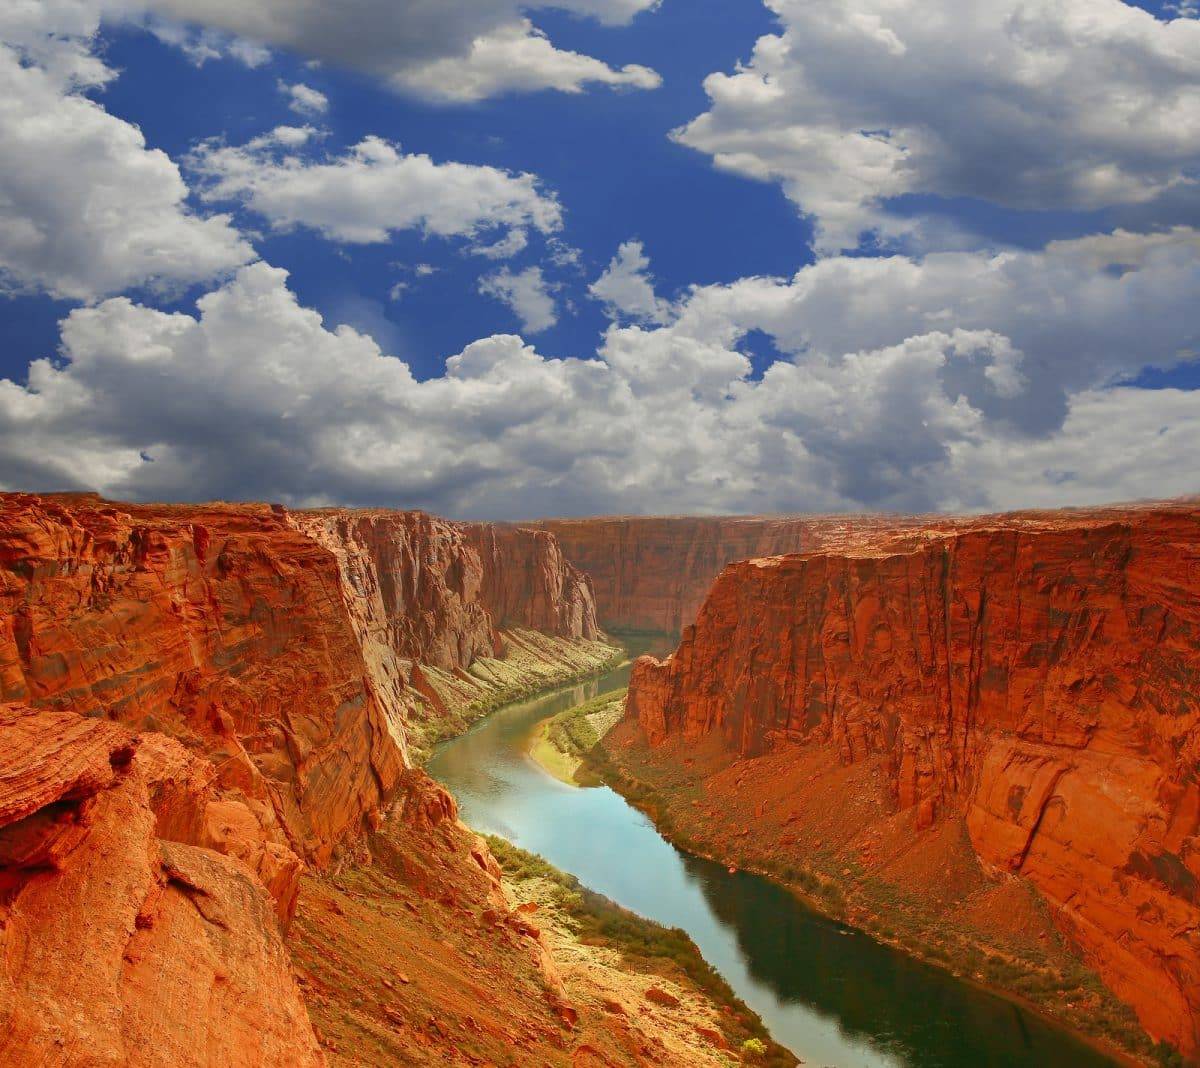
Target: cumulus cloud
x=964, y=380
x=1030, y=104
x=372, y=190
x=516, y=57
x=527, y=293
x=508, y=246
x=626, y=287
x=86, y=207
x=453, y=50
x=304, y=99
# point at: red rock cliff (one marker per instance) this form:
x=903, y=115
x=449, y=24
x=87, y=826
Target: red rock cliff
x=205, y=699
x=123, y=940
x=1037, y=676
x=527, y=582
x=653, y=573
x=222, y=626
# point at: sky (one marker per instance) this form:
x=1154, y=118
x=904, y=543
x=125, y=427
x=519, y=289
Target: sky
x=502, y=260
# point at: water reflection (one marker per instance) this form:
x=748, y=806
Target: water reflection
x=833, y=996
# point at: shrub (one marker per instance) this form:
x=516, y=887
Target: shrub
x=753, y=1047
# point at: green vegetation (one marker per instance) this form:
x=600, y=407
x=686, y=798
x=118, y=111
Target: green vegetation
x=565, y=742
x=500, y=682
x=643, y=944
x=571, y=732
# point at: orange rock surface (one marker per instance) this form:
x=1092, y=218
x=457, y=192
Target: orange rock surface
x=652, y=573
x=220, y=625
x=528, y=582
x=119, y=944
x=1035, y=675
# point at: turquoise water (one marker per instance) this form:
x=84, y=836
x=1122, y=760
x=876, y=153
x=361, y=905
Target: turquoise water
x=831, y=995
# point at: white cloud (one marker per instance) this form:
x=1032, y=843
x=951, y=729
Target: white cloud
x=303, y=99
x=626, y=287
x=1031, y=104
x=966, y=380
x=456, y=50
x=1115, y=445
x=508, y=246
x=516, y=57
x=201, y=46
x=86, y=208
x=371, y=191
x=527, y=293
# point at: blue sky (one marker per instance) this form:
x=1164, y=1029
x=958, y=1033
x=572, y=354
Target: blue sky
x=877, y=277
x=606, y=155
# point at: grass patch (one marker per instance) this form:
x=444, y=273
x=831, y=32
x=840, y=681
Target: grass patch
x=564, y=743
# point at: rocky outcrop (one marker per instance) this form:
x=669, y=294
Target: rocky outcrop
x=652, y=573
x=1036, y=676
x=220, y=625
x=121, y=944
x=455, y=617
x=282, y=646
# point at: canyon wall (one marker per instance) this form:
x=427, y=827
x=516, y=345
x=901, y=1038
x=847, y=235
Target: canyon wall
x=527, y=582
x=236, y=684
x=652, y=573
x=1035, y=676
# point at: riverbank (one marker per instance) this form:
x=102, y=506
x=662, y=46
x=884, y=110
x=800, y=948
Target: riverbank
x=560, y=744
x=686, y=994
x=533, y=663
x=432, y=950
x=1035, y=969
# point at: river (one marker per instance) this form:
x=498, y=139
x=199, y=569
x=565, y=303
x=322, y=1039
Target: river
x=831, y=995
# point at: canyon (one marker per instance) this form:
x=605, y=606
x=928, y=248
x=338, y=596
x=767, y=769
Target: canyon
x=209, y=716
x=213, y=719
x=1009, y=699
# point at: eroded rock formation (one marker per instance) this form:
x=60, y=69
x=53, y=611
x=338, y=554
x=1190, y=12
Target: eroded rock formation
x=122, y=943
x=1037, y=676
x=220, y=625
x=527, y=582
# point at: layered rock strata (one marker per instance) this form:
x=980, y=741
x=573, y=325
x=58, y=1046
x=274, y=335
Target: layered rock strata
x=528, y=584
x=1035, y=676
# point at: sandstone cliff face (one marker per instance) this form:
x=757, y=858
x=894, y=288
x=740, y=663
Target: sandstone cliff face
x=429, y=599
x=653, y=573
x=281, y=645
x=221, y=626
x=1037, y=676
x=528, y=582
